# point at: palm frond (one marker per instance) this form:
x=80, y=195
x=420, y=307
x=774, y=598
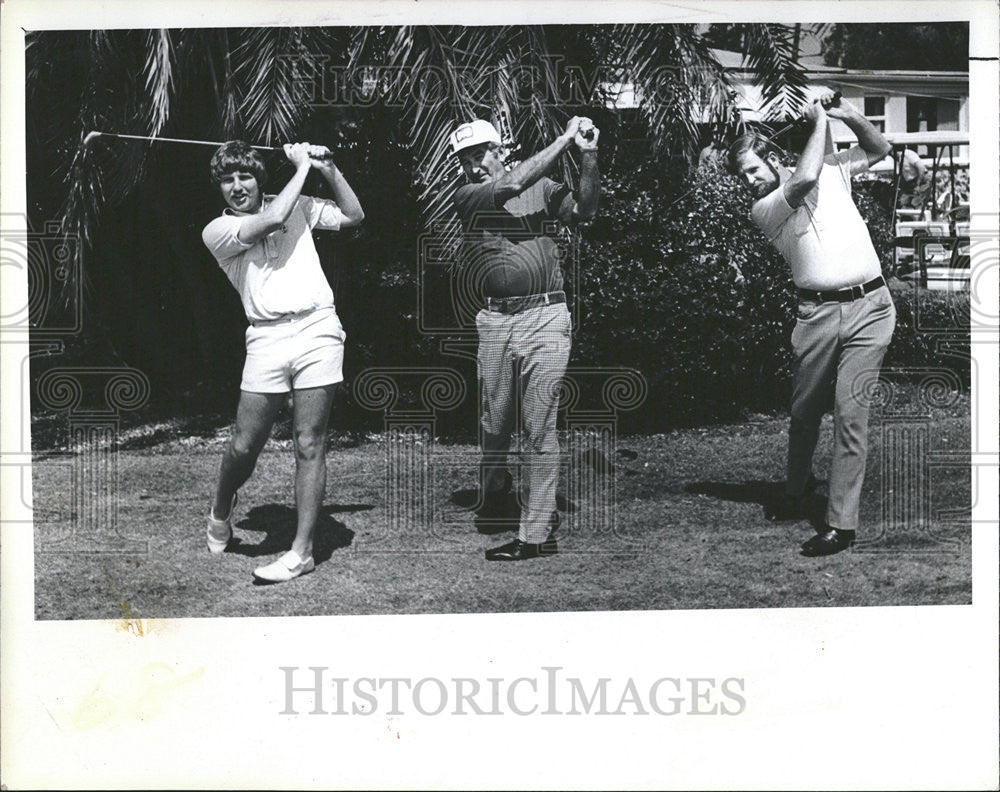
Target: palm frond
x=263, y=74
x=35, y=58
x=770, y=51
x=367, y=45
x=679, y=83
x=228, y=104
x=435, y=76
x=159, y=78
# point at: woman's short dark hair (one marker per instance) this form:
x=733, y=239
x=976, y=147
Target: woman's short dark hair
x=236, y=155
x=752, y=141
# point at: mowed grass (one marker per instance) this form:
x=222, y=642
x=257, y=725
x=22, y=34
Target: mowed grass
x=689, y=533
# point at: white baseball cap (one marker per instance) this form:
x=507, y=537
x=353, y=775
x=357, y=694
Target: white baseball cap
x=473, y=134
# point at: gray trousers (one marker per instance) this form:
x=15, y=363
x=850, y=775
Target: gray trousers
x=521, y=361
x=838, y=349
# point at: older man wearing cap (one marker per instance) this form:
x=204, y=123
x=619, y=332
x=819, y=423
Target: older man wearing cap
x=510, y=222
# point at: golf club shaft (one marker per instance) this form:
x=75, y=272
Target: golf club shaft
x=800, y=121
x=182, y=140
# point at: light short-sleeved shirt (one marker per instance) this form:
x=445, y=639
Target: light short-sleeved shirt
x=824, y=240
x=280, y=273
x=513, y=248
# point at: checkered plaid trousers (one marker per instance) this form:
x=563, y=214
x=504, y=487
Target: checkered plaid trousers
x=522, y=359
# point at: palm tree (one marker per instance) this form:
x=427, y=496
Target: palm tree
x=529, y=79
x=206, y=83
x=413, y=84
x=771, y=52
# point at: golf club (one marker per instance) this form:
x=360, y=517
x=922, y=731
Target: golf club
x=800, y=122
x=91, y=135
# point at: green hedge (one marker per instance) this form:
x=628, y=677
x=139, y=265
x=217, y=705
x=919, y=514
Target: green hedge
x=687, y=292
x=932, y=330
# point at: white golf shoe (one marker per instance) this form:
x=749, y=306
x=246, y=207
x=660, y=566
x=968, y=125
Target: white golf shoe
x=288, y=567
x=220, y=531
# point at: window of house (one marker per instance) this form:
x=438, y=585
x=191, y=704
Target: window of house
x=875, y=111
x=922, y=116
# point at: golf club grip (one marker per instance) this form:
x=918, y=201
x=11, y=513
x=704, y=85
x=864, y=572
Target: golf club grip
x=327, y=156
x=588, y=133
x=835, y=102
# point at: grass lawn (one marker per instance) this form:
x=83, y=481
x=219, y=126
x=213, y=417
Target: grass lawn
x=689, y=533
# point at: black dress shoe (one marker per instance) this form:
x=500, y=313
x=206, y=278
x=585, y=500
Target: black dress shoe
x=824, y=544
x=521, y=551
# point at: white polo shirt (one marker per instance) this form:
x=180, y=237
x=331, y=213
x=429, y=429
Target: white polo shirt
x=825, y=241
x=279, y=274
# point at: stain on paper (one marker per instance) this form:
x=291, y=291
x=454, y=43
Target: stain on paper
x=135, y=697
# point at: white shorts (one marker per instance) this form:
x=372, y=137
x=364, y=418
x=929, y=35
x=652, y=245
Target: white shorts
x=292, y=354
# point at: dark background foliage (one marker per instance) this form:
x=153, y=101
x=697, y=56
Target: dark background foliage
x=671, y=279
x=886, y=45
x=941, y=45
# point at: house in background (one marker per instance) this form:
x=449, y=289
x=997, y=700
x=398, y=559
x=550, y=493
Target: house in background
x=933, y=104
x=894, y=101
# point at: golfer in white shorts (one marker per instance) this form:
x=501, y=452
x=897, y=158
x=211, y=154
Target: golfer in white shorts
x=295, y=341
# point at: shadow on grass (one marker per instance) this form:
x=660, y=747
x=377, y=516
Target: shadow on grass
x=767, y=494
x=277, y=523
x=469, y=499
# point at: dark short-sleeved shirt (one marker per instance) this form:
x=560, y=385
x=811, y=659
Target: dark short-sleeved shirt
x=512, y=249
